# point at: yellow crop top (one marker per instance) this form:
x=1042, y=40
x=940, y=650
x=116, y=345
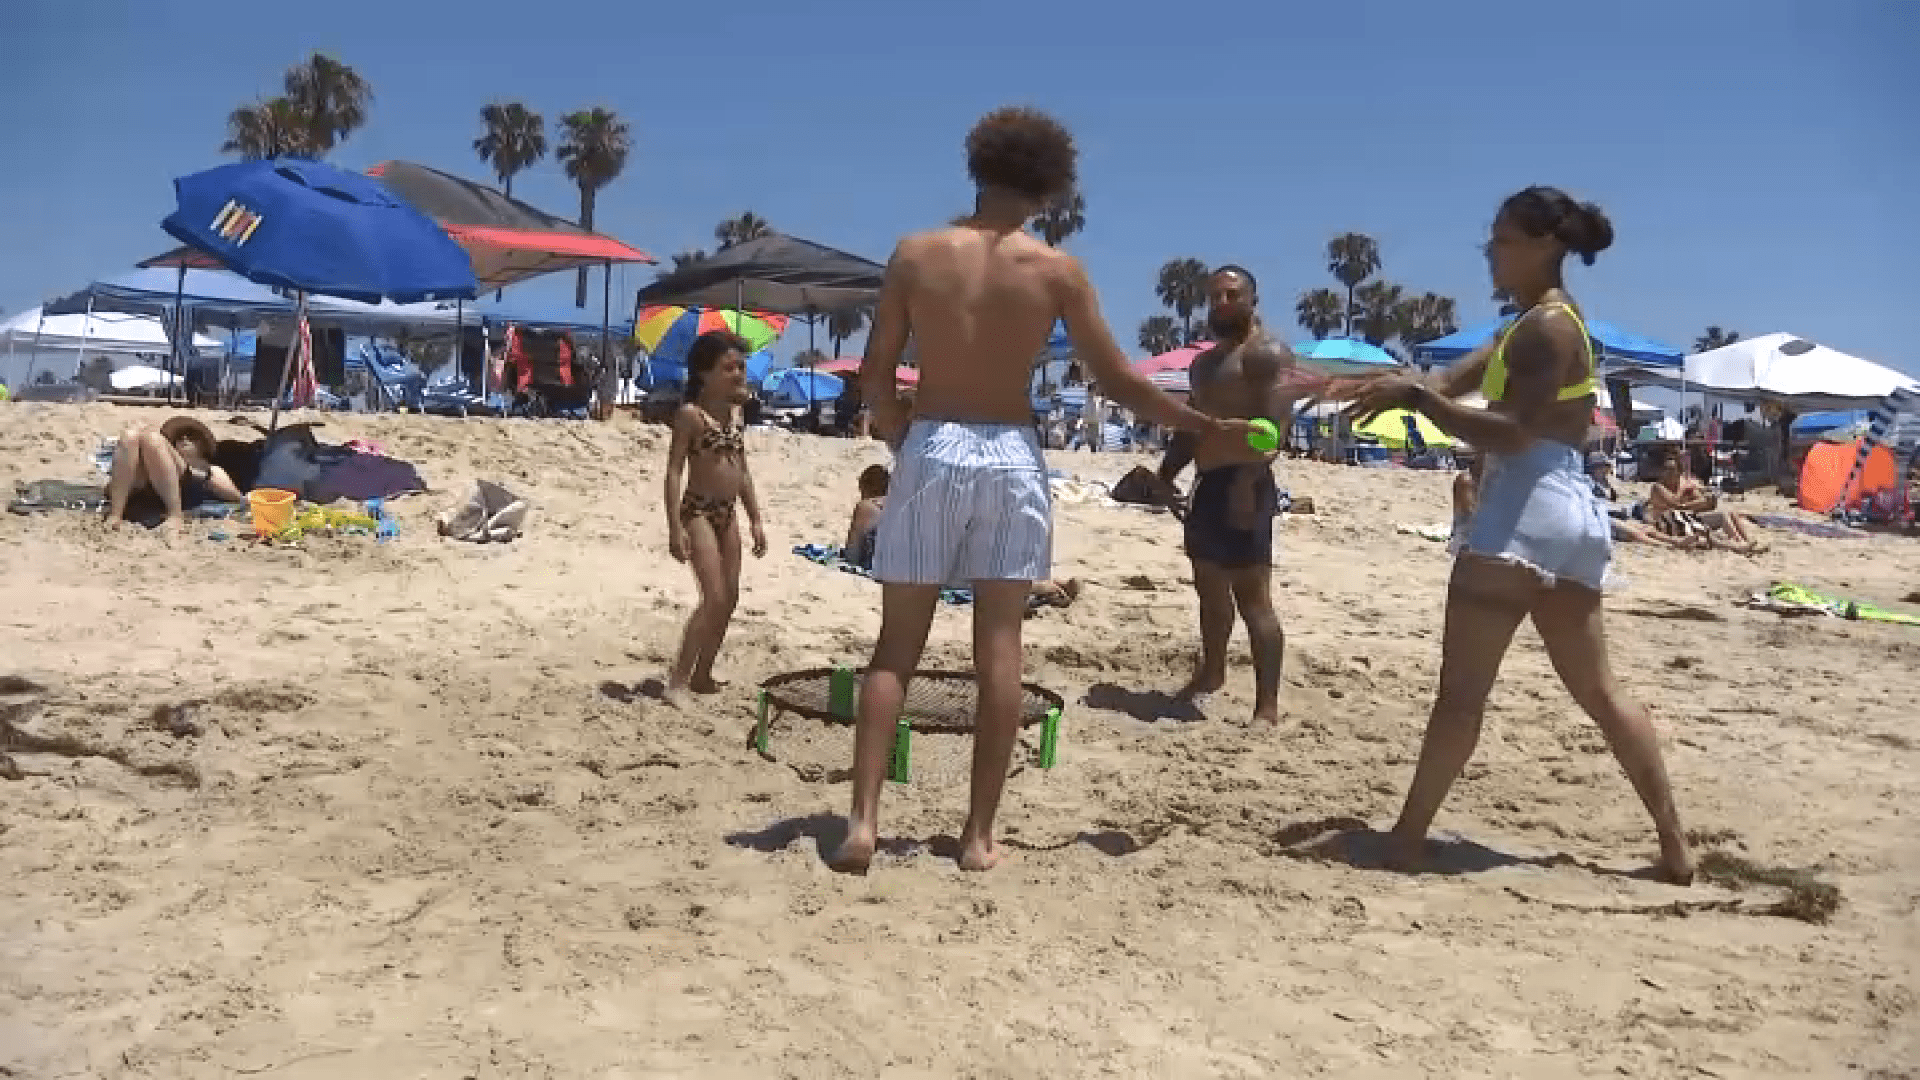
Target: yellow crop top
x=1493, y=384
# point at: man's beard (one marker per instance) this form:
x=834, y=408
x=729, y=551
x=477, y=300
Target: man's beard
x=1230, y=325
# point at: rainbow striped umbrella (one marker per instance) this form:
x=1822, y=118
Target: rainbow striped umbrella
x=668, y=331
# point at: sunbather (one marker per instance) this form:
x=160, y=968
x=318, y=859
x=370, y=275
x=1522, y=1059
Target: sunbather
x=175, y=463
x=1681, y=508
x=863, y=530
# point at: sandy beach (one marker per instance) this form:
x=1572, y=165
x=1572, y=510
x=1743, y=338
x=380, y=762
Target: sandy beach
x=406, y=810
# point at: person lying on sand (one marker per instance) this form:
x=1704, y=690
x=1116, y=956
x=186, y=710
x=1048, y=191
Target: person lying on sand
x=702, y=528
x=863, y=537
x=175, y=463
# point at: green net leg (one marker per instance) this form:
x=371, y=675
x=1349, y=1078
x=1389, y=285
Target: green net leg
x=1049, y=738
x=760, y=727
x=902, y=747
x=840, y=693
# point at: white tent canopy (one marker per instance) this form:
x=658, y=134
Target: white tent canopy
x=141, y=377
x=1783, y=369
x=94, y=333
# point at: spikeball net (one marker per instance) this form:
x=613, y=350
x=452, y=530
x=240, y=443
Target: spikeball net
x=939, y=702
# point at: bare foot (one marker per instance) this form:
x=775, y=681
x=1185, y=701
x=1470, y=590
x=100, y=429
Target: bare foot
x=979, y=854
x=1676, y=864
x=675, y=695
x=1199, y=688
x=1070, y=589
x=706, y=685
x=1406, y=854
x=1266, y=718
x=855, y=853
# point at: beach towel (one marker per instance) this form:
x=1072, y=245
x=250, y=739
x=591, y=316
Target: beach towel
x=492, y=514
x=1785, y=598
x=830, y=555
x=1809, y=528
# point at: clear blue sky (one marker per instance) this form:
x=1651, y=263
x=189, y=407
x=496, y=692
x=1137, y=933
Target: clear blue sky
x=1760, y=158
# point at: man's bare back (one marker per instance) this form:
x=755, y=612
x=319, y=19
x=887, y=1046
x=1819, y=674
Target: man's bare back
x=982, y=305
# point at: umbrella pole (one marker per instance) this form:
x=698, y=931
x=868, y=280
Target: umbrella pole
x=86, y=332
x=606, y=336
x=33, y=359
x=293, y=357
x=178, y=357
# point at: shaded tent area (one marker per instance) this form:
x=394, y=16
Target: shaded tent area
x=217, y=300
x=776, y=274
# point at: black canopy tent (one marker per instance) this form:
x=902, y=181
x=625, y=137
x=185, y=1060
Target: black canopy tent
x=776, y=273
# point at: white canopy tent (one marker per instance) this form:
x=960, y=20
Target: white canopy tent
x=1783, y=369
x=92, y=333
x=141, y=377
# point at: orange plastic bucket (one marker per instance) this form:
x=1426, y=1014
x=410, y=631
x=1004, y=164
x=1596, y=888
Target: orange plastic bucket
x=272, y=510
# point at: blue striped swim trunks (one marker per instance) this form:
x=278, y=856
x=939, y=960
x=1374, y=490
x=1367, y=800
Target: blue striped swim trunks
x=968, y=502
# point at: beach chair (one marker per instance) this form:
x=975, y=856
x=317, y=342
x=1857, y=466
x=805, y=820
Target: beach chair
x=545, y=372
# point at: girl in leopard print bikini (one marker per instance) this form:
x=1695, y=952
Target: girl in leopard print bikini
x=709, y=453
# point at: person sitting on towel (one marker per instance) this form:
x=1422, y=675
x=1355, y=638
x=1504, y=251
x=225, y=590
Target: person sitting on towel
x=864, y=529
x=1679, y=507
x=174, y=463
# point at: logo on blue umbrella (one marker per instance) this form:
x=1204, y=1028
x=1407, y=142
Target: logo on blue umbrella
x=235, y=223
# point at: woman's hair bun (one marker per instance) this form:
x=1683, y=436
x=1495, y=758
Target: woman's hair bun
x=1587, y=231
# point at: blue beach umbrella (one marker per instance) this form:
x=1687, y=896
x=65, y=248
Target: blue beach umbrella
x=799, y=387
x=1344, y=356
x=313, y=228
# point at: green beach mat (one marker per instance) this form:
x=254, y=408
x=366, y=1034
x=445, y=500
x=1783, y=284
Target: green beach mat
x=1797, y=596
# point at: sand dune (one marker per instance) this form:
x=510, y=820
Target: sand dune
x=427, y=824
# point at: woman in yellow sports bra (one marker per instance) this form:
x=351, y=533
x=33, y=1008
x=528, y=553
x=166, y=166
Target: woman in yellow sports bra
x=1538, y=543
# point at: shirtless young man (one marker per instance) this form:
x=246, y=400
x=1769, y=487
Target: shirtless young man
x=1229, y=527
x=969, y=502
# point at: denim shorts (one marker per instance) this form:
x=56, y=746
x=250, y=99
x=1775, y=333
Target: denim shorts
x=1537, y=510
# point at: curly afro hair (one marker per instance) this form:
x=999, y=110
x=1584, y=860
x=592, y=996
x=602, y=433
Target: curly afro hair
x=1024, y=151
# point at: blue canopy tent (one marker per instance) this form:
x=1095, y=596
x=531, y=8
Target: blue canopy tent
x=799, y=388
x=1611, y=344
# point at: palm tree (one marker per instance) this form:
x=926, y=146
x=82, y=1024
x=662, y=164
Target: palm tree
x=516, y=137
x=739, y=230
x=1424, y=318
x=1320, y=312
x=843, y=324
x=270, y=128
x=684, y=259
x=331, y=98
x=1183, y=287
x=1715, y=338
x=1159, y=334
x=1352, y=258
x=594, y=150
x=1062, y=218
x=1376, y=312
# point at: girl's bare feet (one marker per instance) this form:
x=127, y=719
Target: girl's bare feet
x=855, y=853
x=979, y=853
